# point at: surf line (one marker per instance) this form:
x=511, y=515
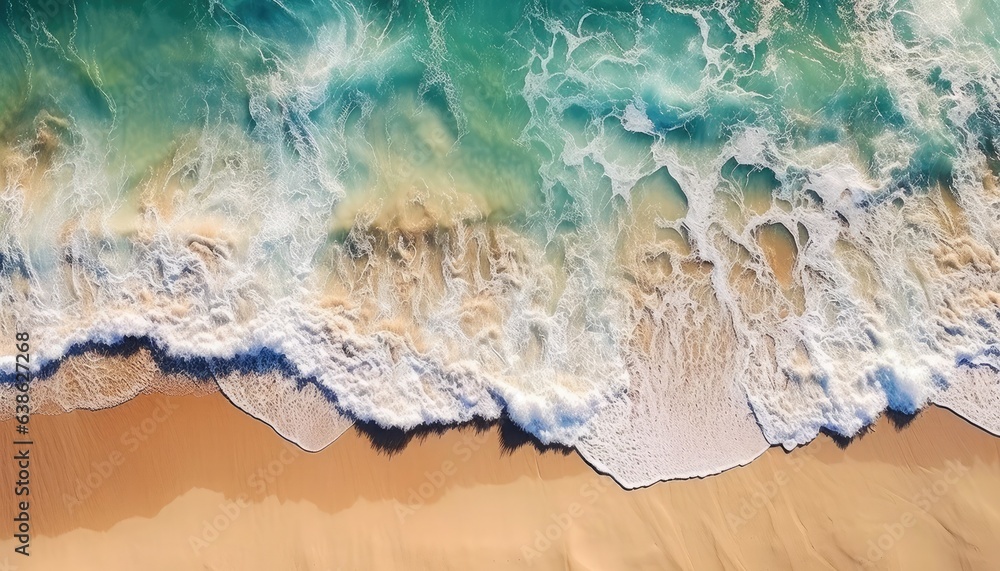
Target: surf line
x=22, y=445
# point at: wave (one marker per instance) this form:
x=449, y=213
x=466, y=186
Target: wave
x=668, y=236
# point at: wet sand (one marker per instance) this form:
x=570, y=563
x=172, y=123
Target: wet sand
x=192, y=482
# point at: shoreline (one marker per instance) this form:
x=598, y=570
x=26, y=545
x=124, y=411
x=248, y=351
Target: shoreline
x=104, y=376
x=185, y=482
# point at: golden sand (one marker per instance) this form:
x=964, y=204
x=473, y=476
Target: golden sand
x=191, y=482
x=780, y=251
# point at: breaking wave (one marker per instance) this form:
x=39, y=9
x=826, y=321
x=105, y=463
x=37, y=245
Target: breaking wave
x=667, y=234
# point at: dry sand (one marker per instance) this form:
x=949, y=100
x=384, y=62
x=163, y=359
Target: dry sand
x=191, y=482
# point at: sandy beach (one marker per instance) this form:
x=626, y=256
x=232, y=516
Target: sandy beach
x=192, y=482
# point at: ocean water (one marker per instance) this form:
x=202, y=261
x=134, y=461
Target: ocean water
x=669, y=234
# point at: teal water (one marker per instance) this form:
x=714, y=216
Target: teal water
x=595, y=217
x=146, y=73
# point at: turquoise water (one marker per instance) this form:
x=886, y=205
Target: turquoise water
x=551, y=210
x=146, y=73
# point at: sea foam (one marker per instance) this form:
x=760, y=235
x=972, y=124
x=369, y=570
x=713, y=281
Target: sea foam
x=669, y=237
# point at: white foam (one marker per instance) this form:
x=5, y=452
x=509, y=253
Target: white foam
x=974, y=394
x=656, y=359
